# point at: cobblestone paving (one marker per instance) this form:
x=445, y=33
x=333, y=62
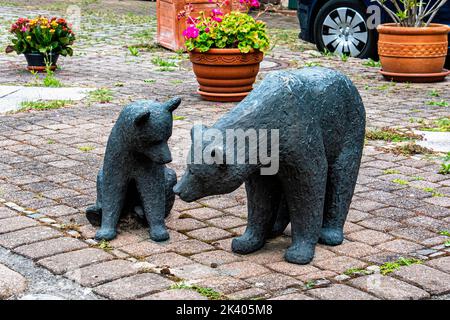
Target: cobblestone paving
x=49, y=160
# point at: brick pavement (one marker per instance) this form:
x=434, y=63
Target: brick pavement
x=47, y=178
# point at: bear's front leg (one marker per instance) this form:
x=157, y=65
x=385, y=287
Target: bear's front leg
x=151, y=188
x=263, y=199
x=113, y=190
x=305, y=196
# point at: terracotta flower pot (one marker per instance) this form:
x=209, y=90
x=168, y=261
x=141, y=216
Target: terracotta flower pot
x=413, y=54
x=36, y=61
x=225, y=74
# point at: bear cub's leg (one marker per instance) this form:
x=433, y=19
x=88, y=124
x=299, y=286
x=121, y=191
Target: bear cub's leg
x=94, y=213
x=342, y=176
x=151, y=187
x=262, y=201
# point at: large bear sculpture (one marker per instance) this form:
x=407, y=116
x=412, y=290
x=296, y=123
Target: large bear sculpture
x=320, y=120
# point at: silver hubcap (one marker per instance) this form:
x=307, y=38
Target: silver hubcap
x=344, y=31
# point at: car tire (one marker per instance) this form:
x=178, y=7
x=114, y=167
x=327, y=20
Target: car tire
x=341, y=27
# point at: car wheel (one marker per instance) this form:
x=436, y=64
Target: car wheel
x=341, y=27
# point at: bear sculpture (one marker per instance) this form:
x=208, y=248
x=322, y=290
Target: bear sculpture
x=320, y=119
x=134, y=175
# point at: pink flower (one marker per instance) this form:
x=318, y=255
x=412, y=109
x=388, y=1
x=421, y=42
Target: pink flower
x=24, y=29
x=217, y=12
x=254, y=3
x=191, y=32
x=216, y=18
x=207, y=30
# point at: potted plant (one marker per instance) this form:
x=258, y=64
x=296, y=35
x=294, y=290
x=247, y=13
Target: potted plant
x=41, y=40
x=225, y=50
x=412, y=48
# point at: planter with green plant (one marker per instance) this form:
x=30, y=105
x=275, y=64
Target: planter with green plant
x=413, y=49
x=225, y=50
x=42, y=40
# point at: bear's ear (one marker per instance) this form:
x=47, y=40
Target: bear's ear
x=172, y=104
x=142, y=118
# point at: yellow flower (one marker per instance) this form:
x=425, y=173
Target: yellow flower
x=52, y=30
x=54, y=24
x=44, y=27
x=28, y=38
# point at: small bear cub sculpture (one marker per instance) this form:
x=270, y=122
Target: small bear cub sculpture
x=320, y=118
x=134, y=175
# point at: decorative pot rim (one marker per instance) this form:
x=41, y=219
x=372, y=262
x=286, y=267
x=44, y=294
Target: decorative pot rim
x=224, y=51
x=432, y=29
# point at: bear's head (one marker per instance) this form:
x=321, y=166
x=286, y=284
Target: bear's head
x=207, y=172
x=147, y=126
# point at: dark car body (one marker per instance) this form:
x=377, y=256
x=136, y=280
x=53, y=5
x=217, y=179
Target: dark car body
x=307, y=11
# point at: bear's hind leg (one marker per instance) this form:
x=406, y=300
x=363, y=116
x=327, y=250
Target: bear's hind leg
x=342, y=176
x=262, y=200
x=305, y=196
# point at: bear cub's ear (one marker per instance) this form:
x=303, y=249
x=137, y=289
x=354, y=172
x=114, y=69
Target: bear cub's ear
x=142, y=118
x=172, y=104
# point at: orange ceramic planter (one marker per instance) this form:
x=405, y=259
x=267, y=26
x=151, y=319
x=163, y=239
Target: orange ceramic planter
x=225, y=74
x=169, y=33
x=404, y=50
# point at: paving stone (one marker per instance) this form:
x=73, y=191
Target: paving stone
x=203, y=213
x=400, y=246
x=366, y=205
x=11, y=283
x=339, y=264
x=100, y=273
x=168, y=259
x=16, y=223
x=50, y=247
x=144, y=248
x=243, y=269
x=219, y=202
x=380, y=224
x=26, y=236
x=354, y=249
x=291, y=269
x=274, y=281
x=134, y=286
x=429, y=279
x=246, y=294
x=6, y=213
x=356, y=215
x=62, y=263
x=186, y=224
x=413, y=233
x=217, y=257
x=388, y=288
x=209, y=234
x=292, y=296
x=176, y=294
x=442, y=264
x=57, y=211
x=427, y=223
x=194, y=271
x=227, y=222
x=223, y=284
x=321, y=274
x=340, y=292
x=394, y=213
x=371, y=237
x=189, y=247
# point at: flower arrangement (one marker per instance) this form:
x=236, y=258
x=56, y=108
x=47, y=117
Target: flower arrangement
x=42, y=35
x=411, y=13
x=218, y=30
